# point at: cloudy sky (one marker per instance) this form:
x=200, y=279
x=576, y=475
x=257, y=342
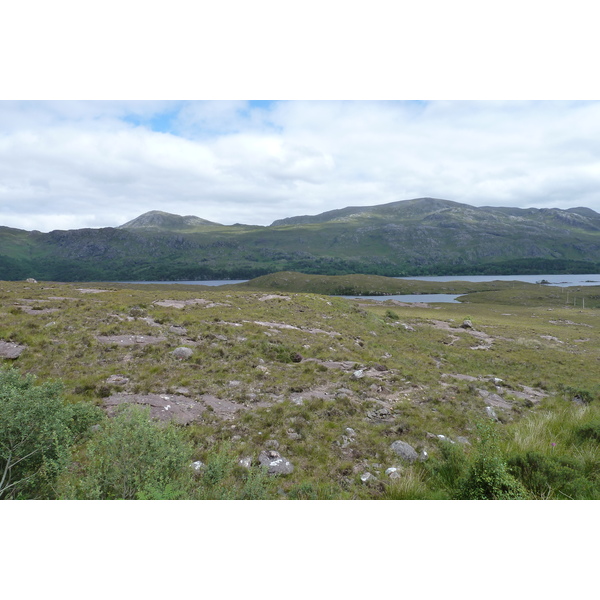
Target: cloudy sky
x=73, y=164
x=347, y=126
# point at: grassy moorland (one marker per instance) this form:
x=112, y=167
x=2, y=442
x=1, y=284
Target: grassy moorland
x=498, y=396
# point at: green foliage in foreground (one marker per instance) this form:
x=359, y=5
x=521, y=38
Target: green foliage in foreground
x=487, y=477
x=554, y=454
x=35, y=435
x=129, y=454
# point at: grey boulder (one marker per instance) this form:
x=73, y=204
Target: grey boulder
x=275, y=463
x=404, y=451
x=182, y=352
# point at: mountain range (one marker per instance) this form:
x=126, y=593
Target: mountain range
x=424, y=236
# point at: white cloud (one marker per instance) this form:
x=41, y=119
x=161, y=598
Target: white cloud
x=102, y=163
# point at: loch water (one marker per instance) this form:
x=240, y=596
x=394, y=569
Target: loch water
x=554, y=280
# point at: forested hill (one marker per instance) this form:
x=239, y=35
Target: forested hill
x=424, y=236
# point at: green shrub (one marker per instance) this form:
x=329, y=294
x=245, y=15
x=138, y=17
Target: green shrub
x=576, y=393
x=589, y=431
x=83, y=416
x=548, y=477
x=131, y=456
x=487, y=477
x=35, y=437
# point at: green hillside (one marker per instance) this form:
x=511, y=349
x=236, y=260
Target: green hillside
x=414, y=237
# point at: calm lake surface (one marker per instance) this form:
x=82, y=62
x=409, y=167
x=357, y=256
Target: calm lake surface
x=556, y=280
x=560, y=280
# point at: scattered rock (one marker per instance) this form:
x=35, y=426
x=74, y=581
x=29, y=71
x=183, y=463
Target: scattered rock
x=150, y=321
x=273, y=297
x=404, y=451
x=162, y=407
x=551, y=338
x=296, y=357
x=197, y=465
x=298, y=398
x=183, y=303
x=30, y=280
x=182, y=352
x=117, y=380
x=530, y=394
x=275, y=463
x=245, y=462
x=11, y=350
x=460, y=377
x=380, y=414
x=467, y=324
x=347, y=439
x=37, y=310
x=221, y=407
x=178, y=330
x=358, y=374
x=494, y=399
x=368, y=477
x=491, y=413
x=272, y=444
x=130, y=340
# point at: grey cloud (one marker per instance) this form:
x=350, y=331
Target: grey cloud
x=88, y=164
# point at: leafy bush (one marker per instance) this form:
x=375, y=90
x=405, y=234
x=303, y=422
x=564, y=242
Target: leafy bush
x=83, y=416
x=487, y=477
x=576, y=393
x=131, y=456
x=35, y=437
